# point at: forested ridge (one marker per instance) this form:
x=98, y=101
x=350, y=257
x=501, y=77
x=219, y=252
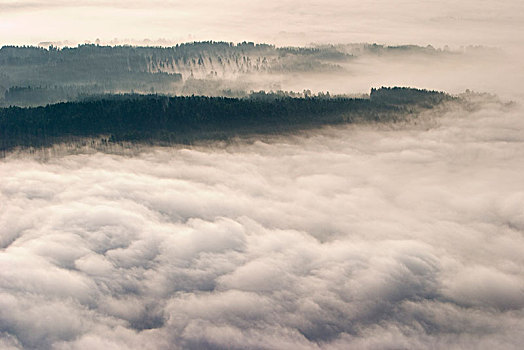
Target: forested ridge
x=164, y=119
x=31, y=76
x=36, y=76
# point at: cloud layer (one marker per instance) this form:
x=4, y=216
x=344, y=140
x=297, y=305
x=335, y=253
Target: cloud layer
x=289, y=22
x=367, y=237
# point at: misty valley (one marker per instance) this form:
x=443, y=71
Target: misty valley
x=203, y=91
x=219, y=195
x=32, y=76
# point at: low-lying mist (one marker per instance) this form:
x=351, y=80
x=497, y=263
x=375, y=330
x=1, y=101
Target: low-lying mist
x=31, y=76
x=497, y=71
x=370, y=236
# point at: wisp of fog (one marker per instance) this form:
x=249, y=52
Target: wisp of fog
x=362, y=236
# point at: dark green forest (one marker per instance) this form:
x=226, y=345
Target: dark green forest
x=161, y=119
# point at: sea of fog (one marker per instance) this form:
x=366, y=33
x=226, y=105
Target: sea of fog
x=359, y=236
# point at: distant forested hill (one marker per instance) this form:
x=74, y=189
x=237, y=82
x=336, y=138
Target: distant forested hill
x=163, y=119
x=32, y=76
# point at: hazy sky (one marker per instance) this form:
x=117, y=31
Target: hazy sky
x=282, y=22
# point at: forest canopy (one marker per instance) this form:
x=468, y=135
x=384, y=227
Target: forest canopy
x=185, y=119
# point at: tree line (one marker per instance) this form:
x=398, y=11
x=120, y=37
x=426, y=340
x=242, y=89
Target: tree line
x=163, y=119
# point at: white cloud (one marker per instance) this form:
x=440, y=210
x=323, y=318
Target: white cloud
x=364, y=236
